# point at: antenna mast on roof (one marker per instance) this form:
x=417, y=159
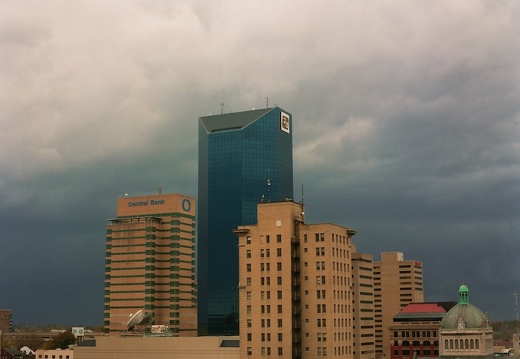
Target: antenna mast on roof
x=267, y=102
x=222, y=108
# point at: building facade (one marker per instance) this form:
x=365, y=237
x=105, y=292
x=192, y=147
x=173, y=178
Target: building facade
x=295, y=286
x=397, y=282
x=6, y=320
x=150, y=263
x=244, y=158
x=363, y=305
x=465, y=331
x=415, y=330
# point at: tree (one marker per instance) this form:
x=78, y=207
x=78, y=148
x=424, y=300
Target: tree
x=61, y=341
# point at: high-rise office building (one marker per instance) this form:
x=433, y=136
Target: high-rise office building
x=397, y=282
x=363, y=305
x=295, y=286
x=150, y=263
x=6, y=320
x=244, y=158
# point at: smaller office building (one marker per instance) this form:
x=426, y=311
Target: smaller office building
x=415, y=330
x=137, y=347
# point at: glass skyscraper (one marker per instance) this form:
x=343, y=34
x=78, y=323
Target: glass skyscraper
x=244, y=158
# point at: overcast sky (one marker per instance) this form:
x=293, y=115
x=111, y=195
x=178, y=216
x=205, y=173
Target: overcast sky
x=406, y=127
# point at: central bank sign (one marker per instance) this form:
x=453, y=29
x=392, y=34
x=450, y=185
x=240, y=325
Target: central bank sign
x=152, y=202
x=185, y=204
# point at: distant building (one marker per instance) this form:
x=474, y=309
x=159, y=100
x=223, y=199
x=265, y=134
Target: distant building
x=54, y=354
x=158, y=348
x=363, y=305
x=244, y=158
x=6, y=320
x=465, y=330
x=150, y=263
x=415, y=330
x=295, y=286
x=397, y=282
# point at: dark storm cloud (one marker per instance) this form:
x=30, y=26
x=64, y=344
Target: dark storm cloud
x=406, y=128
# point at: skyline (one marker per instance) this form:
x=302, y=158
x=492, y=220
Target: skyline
x=406, y=128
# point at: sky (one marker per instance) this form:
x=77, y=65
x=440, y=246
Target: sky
x=406, y=128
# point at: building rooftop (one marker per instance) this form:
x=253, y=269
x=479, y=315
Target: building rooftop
x=230, y=121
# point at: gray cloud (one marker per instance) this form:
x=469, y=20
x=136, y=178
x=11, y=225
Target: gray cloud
x=406, y=128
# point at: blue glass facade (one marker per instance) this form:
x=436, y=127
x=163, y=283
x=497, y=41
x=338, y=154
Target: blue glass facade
x=244, y=158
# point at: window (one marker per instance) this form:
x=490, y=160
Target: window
x=249, y=351
x=248, y=309
x=249, y=337
x=280, y=351
x=248, y=267
x=249, y=323
x=279, y=252
x=278, y=238
x=262, y=253
x=248, y=294
x=279, y=323
x=279, y=308
x=279, y=295
x=248, y=281
x=279, y=280
x=279, y=266
x=267, y=239
x=248, y=253
x=248, y=239
x=280, y=337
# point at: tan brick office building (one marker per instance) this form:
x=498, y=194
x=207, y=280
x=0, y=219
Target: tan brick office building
x=295, y=286
x=363, y=306
x=150, y=262
x=397, y=282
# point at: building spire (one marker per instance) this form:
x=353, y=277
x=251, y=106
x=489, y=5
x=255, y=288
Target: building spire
x=463, y=294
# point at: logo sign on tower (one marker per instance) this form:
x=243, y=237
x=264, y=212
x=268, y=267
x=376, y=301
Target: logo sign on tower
x=284, y=122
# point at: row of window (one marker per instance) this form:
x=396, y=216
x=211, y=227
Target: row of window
x=264, y=351
x=417, y=343
x=264, y=337
x=267, y=239
x=415, y=334
x=461, y=344
x=264, y=323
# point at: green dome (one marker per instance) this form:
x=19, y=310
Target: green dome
x=463, y=288
x=464, y=315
